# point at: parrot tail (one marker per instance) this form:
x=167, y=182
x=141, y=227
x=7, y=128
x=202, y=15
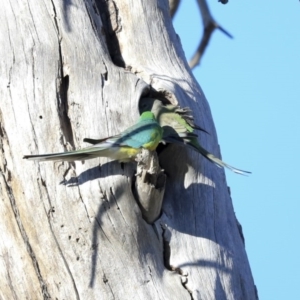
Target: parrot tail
x=82, y=154
x=216, y=160
x=191, y=142
x=63, y=156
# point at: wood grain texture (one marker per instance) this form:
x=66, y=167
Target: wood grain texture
x=76, y=69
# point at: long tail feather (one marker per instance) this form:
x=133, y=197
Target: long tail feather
x=190, y=143
x=83, y=154
x=218, y=161
x=64, y=156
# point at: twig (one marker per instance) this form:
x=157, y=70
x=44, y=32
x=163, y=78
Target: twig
x=209, y=25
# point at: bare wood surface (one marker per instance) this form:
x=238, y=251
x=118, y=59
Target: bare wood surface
x=74, y=230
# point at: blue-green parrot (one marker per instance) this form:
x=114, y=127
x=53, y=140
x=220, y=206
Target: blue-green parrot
x=146, y=133
x=178, y=127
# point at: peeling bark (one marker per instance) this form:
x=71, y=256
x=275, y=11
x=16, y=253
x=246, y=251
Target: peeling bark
x=76, y=69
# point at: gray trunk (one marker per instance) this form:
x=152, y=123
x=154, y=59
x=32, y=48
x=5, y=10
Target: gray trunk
x=76, y=69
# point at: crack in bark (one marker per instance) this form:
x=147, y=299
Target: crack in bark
x=51, y=206
x=43, y=285
x=97, y=227
x=12, y=50
x=63, y=107
x=3, y=136
x=116, y=203
x=167, y=253
x=184, y=282
x=112, y=23
x=94, y=25
x=99, y=32
x=104, y=76
x=31, y=124
x=66, y=265
x=103, y=195
x=166, y=249
x=81, y=199
x=167, y=256
x=7, y=26
x=55, y=239
x=105, y=280
x=69, y=168
x=7, y=264
x=2, y=130
x=62, y=86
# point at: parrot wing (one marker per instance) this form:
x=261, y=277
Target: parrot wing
x=147, y=134
x=179, y=118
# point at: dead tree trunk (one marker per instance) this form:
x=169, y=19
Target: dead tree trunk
x=75, y=69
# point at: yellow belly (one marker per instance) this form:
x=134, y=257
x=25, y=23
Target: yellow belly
x=155, y=139
x=126, y=153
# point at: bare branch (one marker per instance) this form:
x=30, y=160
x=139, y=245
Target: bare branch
x=209, y=25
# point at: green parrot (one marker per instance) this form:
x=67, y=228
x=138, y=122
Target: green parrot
x=178, y=127
x=146, y=133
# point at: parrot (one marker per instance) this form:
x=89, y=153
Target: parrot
x=146, y=133
x=178, y=128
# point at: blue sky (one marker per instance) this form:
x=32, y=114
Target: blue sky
x=252, y=84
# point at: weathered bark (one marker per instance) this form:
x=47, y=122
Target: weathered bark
x=76, y=69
